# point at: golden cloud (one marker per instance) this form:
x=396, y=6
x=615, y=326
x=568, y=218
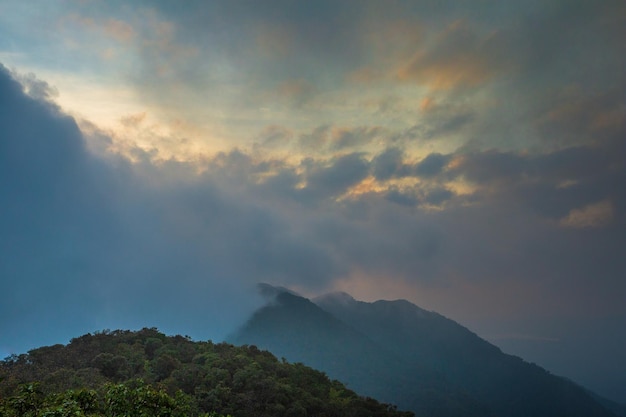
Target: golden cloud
x=591, y=216
x=459, y=57
x=427, y=103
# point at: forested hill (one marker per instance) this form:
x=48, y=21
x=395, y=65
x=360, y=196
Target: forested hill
x=148, y=373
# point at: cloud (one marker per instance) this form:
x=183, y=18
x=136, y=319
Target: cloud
x=36, y=88
x=334, y=179
x=329, y=140
x=459, y=57
x=119, y=30
x=315, y=140
x=54, y=203
x=133, y=120
x=438, y=196
x=432, y=165
x=574, y=116
x=342, y=138
x=406, y=199
x=550, y=183
x=116, y=29
x=594, y=215
x=295, y=92
x=275, y=136
x=390, y=164
x=87, y=243
x=387, y=164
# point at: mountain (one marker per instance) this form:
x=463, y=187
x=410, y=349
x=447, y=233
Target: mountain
x=271, y=328
x=616, y=408
x=419, y=360
x=295, y=328
x=146, y=373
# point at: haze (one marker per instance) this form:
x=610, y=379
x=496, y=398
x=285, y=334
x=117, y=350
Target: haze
x=158, y=160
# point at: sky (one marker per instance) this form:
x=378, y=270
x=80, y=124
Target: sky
x=158, y=159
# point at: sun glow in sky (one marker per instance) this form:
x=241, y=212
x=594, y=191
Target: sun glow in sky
x=467, y=156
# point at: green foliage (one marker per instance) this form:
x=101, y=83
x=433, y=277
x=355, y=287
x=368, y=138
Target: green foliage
x=134, y=399
x=143, y=401
x=145, y=374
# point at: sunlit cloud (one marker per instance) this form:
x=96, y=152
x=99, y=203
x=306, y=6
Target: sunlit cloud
x=457, y=57
x=594, y=215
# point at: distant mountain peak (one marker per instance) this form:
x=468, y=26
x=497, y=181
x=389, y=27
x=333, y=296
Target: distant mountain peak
x=340, y=299
x=270, y=291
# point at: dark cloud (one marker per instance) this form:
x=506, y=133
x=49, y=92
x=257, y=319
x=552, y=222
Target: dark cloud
x=432, y=165
x=406, y=199
x=88, y=243
x=387, y=164
x=36, y=88
x=56, y=217
x=492, y=166
x=438, y=196
x=573, y=117
x=334, y=179
x=560, y=42
x=390, y=164
x=551, y=183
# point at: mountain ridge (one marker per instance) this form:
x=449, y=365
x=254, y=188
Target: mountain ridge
x=342, y=339
x=421, y=360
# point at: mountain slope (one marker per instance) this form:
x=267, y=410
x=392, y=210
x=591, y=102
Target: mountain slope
x=295, y=328
x=420, y=360
x=273, y=328
x=508, y=384
x=184, y=378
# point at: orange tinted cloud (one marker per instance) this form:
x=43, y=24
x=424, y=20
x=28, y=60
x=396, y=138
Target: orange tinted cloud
x=427, y=103
x=577, y=116
x=458, y=58
x=296, y=91
x=594, y=215
x=115, y=29
x=119, y=30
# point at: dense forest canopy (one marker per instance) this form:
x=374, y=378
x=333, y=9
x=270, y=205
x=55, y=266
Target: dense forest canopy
x=146, y=373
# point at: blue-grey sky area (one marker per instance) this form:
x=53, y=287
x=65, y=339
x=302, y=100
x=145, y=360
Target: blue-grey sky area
x=157, y=160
